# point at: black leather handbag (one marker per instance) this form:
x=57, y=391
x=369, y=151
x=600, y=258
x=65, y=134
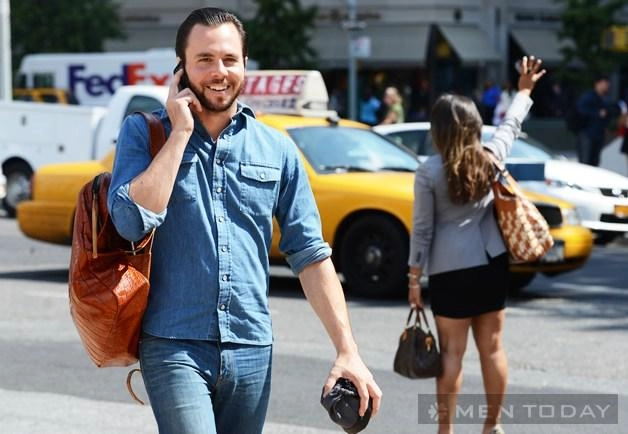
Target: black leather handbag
x=417, y=354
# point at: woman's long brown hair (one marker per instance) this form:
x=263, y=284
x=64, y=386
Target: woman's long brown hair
x=456, y=129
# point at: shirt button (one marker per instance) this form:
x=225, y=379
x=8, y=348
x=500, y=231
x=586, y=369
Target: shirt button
x=219, y=190
x=223, y=307
x=225, y=277
x=262, y=175
x=221, y=219
x=223, y=248
x=218, y=161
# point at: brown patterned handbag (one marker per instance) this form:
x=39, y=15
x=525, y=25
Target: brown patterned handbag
x=524, y=230
x=109, y=276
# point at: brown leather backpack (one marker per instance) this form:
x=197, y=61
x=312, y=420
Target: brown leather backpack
x=109, y=276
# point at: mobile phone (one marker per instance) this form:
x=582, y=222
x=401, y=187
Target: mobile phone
x=183, y=82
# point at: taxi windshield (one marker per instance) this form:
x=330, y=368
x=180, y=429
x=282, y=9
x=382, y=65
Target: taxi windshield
x=342, y=149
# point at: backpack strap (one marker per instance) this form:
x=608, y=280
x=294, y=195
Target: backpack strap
x=156, y=131
x=157, y=139
x=95, y=193
x=129, y=386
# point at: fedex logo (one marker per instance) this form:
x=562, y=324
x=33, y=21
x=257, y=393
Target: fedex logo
x=97, y=85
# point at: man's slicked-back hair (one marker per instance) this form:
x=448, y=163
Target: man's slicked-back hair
x=210, y=17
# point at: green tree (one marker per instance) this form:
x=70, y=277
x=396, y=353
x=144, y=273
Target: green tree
x=278, y=35
x=56, y=26
x=583, y=23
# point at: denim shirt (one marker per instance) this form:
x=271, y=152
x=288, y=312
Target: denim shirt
x=210, y=267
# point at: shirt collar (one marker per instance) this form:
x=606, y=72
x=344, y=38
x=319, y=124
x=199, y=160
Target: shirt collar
x=244, y=109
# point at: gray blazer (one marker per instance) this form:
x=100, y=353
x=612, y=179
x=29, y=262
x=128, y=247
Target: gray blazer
x=446, y=236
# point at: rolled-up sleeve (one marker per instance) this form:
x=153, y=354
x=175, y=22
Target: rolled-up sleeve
x=422, y=218
x=298, y=217
x=131, y=220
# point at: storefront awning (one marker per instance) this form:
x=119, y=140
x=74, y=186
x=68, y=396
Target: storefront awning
x=389, y=44
x=470, y=43
x=543, y=43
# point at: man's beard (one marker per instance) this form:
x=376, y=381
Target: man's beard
x=213, y=107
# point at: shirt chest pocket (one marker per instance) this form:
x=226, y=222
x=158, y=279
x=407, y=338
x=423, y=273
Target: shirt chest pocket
x=259, y=188
x=186, y=183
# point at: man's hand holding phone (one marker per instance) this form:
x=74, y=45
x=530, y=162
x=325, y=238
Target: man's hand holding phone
x=183, y=80
x=181, y=102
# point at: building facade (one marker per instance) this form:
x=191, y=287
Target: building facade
x=422, y=47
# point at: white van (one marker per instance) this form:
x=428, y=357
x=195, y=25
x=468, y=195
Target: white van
x=92, y=78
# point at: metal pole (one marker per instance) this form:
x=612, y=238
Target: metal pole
x=6, y=92
x=352, y=68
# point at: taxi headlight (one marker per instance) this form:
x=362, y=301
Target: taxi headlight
x=570, y=216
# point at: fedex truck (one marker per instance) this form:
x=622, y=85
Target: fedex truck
x=94, y=77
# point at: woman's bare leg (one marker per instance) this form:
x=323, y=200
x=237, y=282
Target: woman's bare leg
x=487, y=332
x=452, y=337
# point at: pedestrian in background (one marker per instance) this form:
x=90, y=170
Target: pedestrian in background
x=623, y=127
x=211, y=193
x=420, y=102
x=596, y=111
x=489, y=100
x=394, y=112
x=505, y=99
x=454, y=232
x=369, y=106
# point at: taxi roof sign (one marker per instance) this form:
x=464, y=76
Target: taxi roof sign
x=292, y=92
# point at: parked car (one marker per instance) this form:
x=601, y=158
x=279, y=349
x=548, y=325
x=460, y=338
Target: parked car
x=363, y=186
x=600, y=195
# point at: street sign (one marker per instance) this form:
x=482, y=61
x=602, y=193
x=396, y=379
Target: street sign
x=361, y=47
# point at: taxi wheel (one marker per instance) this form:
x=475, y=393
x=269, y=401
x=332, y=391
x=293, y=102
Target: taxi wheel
x=601, y=238
x=374, y=257
x=518, y=281
x=18, y=177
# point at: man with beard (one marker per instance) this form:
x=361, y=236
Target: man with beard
x=211, y=193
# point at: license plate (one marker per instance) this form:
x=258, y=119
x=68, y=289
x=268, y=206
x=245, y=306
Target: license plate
x=556, y=253
x=621, y=210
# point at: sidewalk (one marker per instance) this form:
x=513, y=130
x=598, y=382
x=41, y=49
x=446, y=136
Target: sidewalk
x=49, y=413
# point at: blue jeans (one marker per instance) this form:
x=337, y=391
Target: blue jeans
x=206, y=387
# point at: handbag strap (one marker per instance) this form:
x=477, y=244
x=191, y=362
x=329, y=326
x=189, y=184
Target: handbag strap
x=420, y=320
x=506, y=178
x=496, y=162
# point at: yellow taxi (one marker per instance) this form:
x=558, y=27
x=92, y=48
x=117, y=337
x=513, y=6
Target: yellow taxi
x=44, y=94
x=363, y=185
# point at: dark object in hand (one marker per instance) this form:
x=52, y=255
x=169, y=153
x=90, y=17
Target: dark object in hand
x=342, y=403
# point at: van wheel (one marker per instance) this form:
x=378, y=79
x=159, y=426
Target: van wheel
x=18, y=186
x=374, y=257
x=518, y=281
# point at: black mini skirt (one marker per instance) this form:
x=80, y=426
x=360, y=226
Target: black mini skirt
x=471, y=291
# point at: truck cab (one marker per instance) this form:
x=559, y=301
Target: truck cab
x=35, y=134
